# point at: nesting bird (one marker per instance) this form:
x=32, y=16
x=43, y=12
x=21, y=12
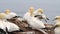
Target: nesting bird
x=34, y=22
x=39, y=13
x=5, y=24
x=57, y=29
x=2, y=26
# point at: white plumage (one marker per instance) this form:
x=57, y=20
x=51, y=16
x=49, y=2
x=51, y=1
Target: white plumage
x=11, y=26
x=27, y=16
x=57, y=29
x=2, y=26
x=11, y=15
x=39, y=13
x=34, y=22
x=4, y=23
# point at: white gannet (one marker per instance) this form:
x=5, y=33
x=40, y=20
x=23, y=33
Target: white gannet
x=10, y=14
x=57, y=24
x=2, y=26
x=42, y=15
x=10, y=26
x=34, y=22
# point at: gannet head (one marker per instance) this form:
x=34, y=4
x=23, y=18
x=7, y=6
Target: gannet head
x=40, y=10
x=2, y=15
x=31, y=10
x=57, y=18
x=7, y=11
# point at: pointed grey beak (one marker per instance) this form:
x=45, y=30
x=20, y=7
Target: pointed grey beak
x=46, y=21
x=54, y=19
x=47, y=18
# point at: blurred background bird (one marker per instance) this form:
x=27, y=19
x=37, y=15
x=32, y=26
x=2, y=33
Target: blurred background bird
x=57, y=24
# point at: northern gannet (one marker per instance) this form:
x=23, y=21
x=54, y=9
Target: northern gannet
x=2, y=26
x=10, y=26
x=34, y=22
x=10, y=14
x=57, y=24
x=40, y=15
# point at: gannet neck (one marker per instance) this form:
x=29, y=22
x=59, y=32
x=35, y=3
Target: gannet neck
x=7, y=13
x=3, y=20
x=31, y=10
x=31, y=13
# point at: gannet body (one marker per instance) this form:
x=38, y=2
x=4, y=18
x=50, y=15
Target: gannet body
x=10, y=26
x=2, y=26
x=57, y=29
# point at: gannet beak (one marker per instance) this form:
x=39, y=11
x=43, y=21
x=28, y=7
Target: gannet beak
x=54, y=19
x=47, y=18
x=46, y=21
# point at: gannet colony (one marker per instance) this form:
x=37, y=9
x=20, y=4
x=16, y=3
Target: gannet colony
x=30, y=23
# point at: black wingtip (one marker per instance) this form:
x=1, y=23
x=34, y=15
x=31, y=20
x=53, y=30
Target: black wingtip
x=21, y=30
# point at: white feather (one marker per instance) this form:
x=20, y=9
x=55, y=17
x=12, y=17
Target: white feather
x=9, y=16
x=20, y=19
x=57, y=30
x=11, y=26
x=4, y=23
x=2, y=26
